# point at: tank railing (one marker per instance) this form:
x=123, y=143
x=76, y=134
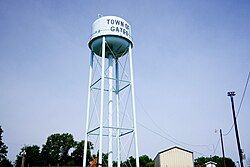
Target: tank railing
x=97, y=32
x=90, y=37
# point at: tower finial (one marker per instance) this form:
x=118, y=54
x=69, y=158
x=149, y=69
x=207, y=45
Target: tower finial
x=99, y=16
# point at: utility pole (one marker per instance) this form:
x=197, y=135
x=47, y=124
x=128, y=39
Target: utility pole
x=222, y=148
x=231, y=95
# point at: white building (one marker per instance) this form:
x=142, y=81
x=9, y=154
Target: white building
x=210, y=164
x=174, y=157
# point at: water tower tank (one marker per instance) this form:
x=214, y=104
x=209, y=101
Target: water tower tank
x=117, y=34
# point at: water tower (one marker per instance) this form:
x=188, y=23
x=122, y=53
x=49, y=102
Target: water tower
x=111, y=115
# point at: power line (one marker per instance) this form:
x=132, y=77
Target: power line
x=164, y=131
x=216, y=146
x=157, y=133
x=241, y=101
x=173, y=139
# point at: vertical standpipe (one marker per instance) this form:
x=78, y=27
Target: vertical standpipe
x=110, y=41
x=110, y=105
x=102, y=101
x=117, y=112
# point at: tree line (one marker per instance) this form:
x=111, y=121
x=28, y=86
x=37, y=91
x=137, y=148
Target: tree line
x=63, y=150
x=60, y=150
x=200, y=161
x=54, y=152
x=4, y=162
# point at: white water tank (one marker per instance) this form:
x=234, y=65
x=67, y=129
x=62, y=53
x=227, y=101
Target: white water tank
x=117, y=34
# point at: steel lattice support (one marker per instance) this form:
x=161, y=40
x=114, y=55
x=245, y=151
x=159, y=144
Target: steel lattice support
x=112, y=81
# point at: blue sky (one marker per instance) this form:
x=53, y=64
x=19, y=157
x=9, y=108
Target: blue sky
x=187, y=55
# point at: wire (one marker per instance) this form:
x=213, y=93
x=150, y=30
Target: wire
x=216, y=146
x=241, y=101
x=164, y=131
x=164, y=137
x=129, y=149
x=243, y=95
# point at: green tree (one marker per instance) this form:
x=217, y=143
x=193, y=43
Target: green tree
x=77, y=154
x=129, y=162
x=199, y=162
x=4, y=162
x=56, y=149
x=150, y=164
x=32, y=156
x=3, y=147
x=145, y=160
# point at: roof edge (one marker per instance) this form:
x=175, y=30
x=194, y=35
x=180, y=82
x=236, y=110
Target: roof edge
x=171, y=149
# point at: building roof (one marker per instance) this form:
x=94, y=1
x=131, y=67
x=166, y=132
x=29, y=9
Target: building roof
x=176, y=148
x=172, y=149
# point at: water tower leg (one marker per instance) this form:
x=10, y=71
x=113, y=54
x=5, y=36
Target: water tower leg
x=88, y=110
x=133, y=105
x=117, y=112
x=110, y=104
x=102, y=102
